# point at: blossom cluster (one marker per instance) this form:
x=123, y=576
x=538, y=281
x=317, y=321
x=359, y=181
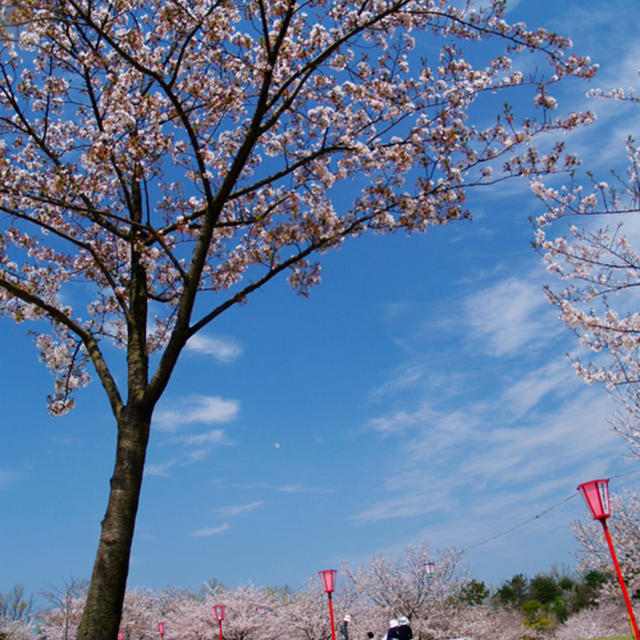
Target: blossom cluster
x=601, y=272
x=154, y=151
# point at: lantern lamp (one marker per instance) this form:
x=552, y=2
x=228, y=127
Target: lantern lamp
x=161, y=630
x=596, y=497
x=218, y=612
x=329, y=578
x=429, y=568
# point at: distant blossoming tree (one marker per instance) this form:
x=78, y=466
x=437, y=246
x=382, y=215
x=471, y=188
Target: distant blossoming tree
x=252, y=613
x=487, y=622
x=304, y=614
x=142, y=610
x=405, y=585
x=16, y=621
x=601, y=266
x=17, y=629
x=64, y=610
x=605, y=621
x=161, y=160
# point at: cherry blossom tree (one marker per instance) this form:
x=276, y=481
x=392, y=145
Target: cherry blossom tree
x=252, y=614
x=161, y=160
x=141, y=611
x=144, y=608
x=62, y=617
x=605, y=621
x=601, y=267
x=403, y=585
x=392, y=586
x=14, y=605
x=487, y=622
x=61, y=620
x=307, y=616
x=16, y=629
x=16, y=615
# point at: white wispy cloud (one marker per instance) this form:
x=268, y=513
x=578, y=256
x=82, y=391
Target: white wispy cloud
x=296, y=488
x=405, y=378
x=195, y=447
x=401, y=420
x=474, y=449
x=536, y=421
x=222, y=348
x=553, y=442
x=206, y=532
x=553, y=377
x=193, y=409
x=509, y=315
x=237, y=509
x=287, y=488
x=196, y=455
x=159, y=469
x=215, y=436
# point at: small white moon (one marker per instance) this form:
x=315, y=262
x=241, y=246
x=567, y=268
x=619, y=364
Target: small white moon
x=277, y=445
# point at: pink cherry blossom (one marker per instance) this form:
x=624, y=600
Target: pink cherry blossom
x=601, y=270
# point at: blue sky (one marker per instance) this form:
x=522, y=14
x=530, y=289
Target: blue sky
x=421, y=394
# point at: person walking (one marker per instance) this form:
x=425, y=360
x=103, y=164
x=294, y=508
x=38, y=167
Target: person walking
x=344, y=627
x=404, y=629
x=392, y=632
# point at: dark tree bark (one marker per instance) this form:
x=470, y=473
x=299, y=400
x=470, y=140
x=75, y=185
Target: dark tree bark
x=101, y=616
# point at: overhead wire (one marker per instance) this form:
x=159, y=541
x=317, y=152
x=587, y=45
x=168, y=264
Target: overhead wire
x=538, y=515
x=521, y=524
x=626, y=473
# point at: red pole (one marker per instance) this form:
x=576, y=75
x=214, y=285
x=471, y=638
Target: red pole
x=632, y=619
x=333, y=626
x=220, y=624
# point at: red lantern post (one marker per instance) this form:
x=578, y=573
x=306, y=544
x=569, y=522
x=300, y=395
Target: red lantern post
x=596, y=496
x=218, y=611
x=329, y=577
x=161, y=630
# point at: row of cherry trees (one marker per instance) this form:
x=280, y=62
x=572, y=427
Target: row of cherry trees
x=270, y=614
x=386, y=587
x=440, y=604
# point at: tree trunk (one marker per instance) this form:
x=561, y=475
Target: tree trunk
x=101, y=616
